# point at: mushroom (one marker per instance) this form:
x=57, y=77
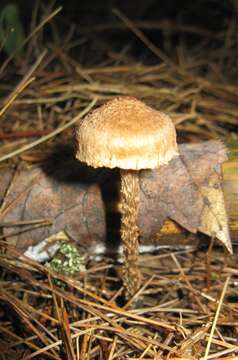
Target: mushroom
x=127, y=134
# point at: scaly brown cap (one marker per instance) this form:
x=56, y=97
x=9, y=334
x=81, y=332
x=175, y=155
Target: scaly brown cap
x=127, y=134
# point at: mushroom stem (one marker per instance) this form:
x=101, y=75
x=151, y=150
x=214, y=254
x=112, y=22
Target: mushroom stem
x=129, y=204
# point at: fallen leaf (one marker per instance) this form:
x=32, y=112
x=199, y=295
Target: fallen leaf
x=214, y=217
x=188, y=191
x=75, y=197
x=63, y=191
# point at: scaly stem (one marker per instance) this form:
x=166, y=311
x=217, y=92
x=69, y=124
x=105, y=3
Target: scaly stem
x=129, y=204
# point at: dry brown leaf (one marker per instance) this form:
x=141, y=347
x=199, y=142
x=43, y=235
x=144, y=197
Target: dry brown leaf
x=66, y=194
x=187, y=191
x=214, y=217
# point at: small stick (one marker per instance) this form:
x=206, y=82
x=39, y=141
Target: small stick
x=23, y=134
x=208, y=264
x=112, y=351
x=216, y=318
x=15, y=233
x=26, y=222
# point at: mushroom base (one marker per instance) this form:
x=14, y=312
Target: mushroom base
x=129, y=204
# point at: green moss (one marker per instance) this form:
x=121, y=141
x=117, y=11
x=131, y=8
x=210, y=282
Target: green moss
x=67, y=260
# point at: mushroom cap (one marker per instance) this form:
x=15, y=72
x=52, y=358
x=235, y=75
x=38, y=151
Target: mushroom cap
x=127, y=134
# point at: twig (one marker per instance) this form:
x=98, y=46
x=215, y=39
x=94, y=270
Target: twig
x=26, y=222
x=23, y=134
x=216, y=318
